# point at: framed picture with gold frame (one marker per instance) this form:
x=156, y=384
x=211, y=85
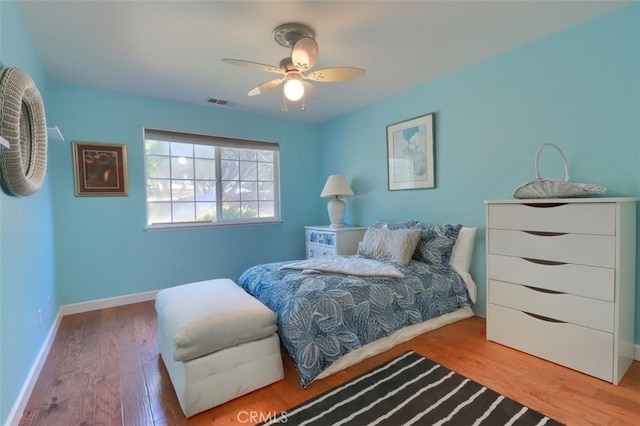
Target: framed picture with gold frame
x=100, y=169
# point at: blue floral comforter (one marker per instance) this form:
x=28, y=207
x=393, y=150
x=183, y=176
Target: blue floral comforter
x=321, y=317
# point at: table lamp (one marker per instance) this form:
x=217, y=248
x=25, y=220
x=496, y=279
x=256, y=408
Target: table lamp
x=336, y=186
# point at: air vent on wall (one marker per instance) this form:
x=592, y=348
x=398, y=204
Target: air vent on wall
x=217, y=101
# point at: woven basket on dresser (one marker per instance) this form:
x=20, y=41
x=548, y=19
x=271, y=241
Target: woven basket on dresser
x=554, y=188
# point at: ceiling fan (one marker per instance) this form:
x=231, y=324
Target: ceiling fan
x=293, y=69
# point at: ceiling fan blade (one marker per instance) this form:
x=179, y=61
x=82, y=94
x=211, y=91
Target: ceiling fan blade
x=336, y=74
x=254, y=65
x=304, y=53
x=267, y=85
x=310, y=91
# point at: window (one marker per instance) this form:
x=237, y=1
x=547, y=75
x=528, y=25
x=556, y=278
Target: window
x=199, y=179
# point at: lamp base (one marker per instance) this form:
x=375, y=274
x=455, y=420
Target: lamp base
x=336, y=209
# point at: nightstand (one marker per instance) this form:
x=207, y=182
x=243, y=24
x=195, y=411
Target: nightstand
x=326, y=241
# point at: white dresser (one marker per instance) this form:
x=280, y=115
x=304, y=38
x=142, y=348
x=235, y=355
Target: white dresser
x=327, y=241
x=561, y=281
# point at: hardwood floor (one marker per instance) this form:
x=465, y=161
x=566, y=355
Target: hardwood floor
x=104, y=369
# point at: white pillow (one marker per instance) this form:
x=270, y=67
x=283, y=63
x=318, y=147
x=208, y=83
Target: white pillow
x=463, y=249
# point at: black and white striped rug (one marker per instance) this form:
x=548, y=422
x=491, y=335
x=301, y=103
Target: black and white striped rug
x=411, y=390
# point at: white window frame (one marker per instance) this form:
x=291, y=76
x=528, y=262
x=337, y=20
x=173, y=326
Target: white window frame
x=218, y=142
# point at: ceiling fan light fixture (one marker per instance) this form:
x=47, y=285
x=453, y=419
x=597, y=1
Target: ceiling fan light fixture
x=293, y=89
x=293, y=69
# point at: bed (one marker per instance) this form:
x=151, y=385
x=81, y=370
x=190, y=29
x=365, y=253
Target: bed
x=407, y=278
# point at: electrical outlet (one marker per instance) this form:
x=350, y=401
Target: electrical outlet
x=39, y=317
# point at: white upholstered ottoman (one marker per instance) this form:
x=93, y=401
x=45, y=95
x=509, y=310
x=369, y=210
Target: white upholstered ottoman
x=217, y=342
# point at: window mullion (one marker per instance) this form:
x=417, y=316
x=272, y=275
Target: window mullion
x=171, y=181
x=219, y=184
x=195, y=186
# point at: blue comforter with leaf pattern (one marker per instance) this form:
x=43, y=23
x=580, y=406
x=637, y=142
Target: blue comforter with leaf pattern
x=321, y=317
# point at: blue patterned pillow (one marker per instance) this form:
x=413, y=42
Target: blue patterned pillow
x=436, y=242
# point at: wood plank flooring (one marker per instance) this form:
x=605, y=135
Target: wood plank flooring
x=104, y=369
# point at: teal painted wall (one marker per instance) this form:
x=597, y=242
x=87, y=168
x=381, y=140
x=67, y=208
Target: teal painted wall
x=102, y=249
x=26, y=245
x=98, y=244
x=579, y=88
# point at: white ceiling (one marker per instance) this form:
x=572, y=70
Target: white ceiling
x=173, y=49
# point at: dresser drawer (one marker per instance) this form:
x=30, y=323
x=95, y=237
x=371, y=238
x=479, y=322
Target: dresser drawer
x=581, y=280
x=580, y=348
x=584, y=311
x=599, y=219
x=594, y=250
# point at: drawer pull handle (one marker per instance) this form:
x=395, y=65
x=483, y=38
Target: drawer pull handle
x=544, y=262
x=544, y=205
x=543, y=318
x=544, y=290
x=545, y=234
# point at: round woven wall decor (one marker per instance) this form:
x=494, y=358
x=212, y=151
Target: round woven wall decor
x=22, y=122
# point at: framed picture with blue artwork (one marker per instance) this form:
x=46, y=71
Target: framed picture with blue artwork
x=410, y=151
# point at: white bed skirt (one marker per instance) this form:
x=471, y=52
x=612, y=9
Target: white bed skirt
x=400, y=336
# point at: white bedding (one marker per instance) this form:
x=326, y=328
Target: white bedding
x=348, y=265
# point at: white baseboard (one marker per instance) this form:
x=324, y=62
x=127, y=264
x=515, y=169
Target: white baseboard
x=110, y=302
x=23, y=397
